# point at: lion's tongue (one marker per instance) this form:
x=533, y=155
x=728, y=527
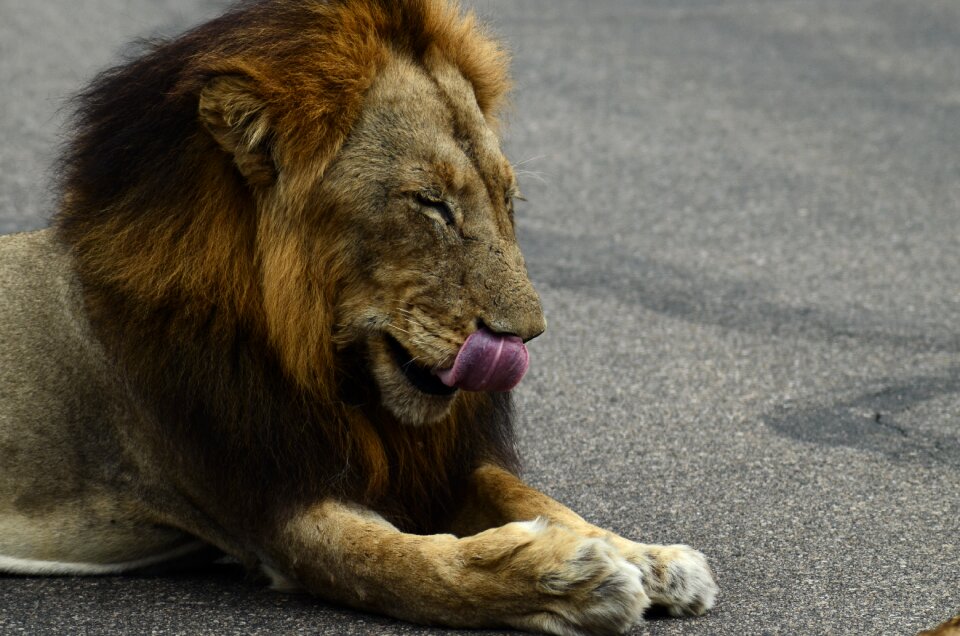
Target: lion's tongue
x=487, y=362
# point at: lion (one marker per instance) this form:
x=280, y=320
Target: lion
x=279, y=313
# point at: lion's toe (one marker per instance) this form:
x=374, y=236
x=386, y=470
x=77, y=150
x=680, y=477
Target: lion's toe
x=681, y=580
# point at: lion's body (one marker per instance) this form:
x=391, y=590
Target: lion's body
x=69, y=502
x=283, y=269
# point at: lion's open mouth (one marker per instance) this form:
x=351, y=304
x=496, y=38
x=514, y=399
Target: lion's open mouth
x=420, y=377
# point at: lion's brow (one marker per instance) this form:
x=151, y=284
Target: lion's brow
x=467, y=131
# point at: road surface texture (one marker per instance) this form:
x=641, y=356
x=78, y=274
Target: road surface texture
x=744, y=222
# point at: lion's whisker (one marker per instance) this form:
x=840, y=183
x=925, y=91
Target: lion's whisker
x=526, y=161
x=539, y=176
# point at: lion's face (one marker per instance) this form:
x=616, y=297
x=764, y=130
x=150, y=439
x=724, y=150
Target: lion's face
x=422, y=200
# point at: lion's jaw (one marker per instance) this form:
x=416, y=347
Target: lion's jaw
x=424, y=194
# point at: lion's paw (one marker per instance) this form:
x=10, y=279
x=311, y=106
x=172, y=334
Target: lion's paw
x=676, y=577
x=585, y=584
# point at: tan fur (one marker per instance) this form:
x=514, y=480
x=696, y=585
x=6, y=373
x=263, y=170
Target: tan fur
x=949, y=628
x=272, y=230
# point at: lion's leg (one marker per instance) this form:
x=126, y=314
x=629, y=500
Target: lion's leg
x=675, y=576
x=533, y=576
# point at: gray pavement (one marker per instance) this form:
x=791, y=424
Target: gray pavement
x=744, y=222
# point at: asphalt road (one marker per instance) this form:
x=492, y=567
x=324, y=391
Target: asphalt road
x=744, y=222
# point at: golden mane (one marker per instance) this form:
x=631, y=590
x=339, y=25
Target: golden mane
x=138, y=134
x=198, y=284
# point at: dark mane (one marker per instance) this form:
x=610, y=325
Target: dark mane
x=258, y=407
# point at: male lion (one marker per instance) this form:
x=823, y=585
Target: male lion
x=279, y=314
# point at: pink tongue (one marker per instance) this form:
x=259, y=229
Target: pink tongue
x=487, y=362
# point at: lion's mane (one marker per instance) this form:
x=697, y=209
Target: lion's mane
x=199, y=288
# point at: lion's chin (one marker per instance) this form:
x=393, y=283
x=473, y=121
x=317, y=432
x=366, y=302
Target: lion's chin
x=411, y=393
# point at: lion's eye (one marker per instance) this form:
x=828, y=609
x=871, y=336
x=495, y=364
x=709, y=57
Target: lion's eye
x=441, y=207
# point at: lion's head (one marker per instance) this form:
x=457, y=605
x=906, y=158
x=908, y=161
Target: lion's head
x=323, y=174
x=411, y=217
x=422, y=199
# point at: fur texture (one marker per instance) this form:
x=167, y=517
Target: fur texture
x=949, y=628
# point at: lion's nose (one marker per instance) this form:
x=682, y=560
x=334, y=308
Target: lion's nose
x=529, y=330
x=524, y=319
x=508, y=302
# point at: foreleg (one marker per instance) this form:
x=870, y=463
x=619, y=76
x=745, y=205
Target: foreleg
x=533, y=575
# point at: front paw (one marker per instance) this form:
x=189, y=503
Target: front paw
x=579, y=585
x=676, y=577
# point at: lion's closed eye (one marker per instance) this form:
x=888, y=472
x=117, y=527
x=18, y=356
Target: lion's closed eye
x=437, y=208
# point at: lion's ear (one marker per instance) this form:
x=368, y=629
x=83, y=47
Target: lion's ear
x=236, y=117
